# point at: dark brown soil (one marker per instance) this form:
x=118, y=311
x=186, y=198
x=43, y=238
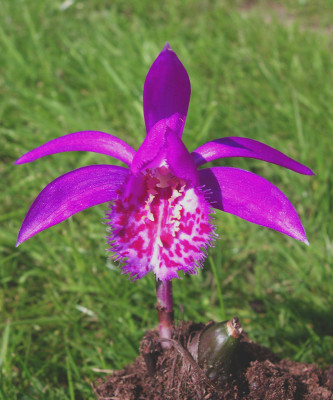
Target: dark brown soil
x=255, y=373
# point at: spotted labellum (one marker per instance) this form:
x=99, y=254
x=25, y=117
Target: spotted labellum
x=160, y=204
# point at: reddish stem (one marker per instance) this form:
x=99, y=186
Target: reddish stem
x=165, y=310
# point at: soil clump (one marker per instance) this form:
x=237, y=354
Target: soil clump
x=173, y=374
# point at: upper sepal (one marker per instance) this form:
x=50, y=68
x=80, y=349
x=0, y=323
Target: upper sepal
x=167, y=90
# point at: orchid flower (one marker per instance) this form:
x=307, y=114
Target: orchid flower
x=160, y=205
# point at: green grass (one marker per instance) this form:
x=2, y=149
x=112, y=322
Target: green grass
x=261, y=72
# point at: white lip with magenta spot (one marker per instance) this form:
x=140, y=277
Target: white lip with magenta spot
x=164, y=227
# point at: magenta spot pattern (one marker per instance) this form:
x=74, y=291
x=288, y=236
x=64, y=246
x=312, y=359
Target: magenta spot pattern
x=162, y=228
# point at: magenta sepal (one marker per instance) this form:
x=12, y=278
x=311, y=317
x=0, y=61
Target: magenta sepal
x=167, y=90
x=244, y=147
x=94, y=141
x=252, y=198
x=71, y=193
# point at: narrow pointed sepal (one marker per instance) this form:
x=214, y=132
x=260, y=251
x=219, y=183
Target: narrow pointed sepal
x=252, y=198
x=244, y=147
x=71, y=193
x=167, y=90
x=94, y=141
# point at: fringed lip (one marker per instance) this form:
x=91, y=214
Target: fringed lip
x=161, y=224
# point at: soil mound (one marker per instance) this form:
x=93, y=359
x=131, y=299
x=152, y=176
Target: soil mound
x=173, y=374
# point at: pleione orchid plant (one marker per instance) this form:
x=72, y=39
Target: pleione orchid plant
x=160, y=205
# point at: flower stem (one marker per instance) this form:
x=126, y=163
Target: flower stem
x=165, y=310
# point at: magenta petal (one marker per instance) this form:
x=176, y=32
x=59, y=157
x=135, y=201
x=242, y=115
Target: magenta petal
x=179, y=159
x=166, y=90
x=163, y=145
x=71, y=193
x=95, y=141
x=252, y=198
x=243, y=147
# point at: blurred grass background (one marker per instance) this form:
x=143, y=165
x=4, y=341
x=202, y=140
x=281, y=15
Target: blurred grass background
x=257, y=69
